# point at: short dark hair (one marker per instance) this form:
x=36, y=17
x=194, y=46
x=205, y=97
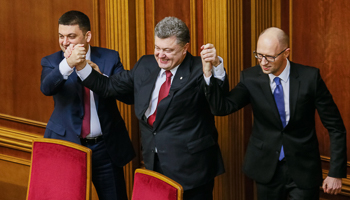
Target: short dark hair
x=172, y=26
x=74, y=17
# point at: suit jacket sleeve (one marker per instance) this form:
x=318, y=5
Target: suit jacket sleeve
x=224, y=102
x=51, y=78
x=332, y=121
x=127, y=98
x=117, y=85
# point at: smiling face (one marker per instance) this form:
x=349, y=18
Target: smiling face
x=269, y=45
x=169, y=53
x=72, y=34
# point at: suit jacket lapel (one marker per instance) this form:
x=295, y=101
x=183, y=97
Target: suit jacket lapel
x=147, y=89
x=181, y=77
x=264, y=81
x=294, y=84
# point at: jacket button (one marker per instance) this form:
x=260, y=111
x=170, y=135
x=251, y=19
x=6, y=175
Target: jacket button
x=154, y=133
x=277, y=152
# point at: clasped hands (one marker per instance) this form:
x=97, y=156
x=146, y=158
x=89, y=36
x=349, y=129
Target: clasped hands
x=209, y=59
x=76, y=57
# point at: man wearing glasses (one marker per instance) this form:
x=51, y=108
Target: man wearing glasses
x=282, y=155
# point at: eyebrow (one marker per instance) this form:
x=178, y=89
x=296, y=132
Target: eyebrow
x=70, y=34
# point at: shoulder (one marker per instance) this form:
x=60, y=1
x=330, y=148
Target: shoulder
x=253, y=70
x=54, y=56
x=303, y=71
x=301, y=67
x=103, y=51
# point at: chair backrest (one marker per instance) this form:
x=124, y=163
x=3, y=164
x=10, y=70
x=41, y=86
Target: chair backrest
x=150, y=185
x=59, y=170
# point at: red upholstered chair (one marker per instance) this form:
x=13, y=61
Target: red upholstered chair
x=150, y=185
x=59, y=170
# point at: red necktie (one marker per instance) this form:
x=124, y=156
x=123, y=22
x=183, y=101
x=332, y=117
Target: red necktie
x=85, y=127
x=163, y=92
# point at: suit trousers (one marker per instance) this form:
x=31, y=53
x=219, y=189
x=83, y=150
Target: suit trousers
x=203, y=192
x=282, y=187
x=107, y=178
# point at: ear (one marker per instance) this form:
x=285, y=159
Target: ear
x=286, y=53
x=186, y=48
x=88, y=36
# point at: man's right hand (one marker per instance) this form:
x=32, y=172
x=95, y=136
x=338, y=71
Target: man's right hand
x=76, y=57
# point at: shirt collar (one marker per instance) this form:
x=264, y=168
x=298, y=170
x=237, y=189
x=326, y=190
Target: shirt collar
x=173, y=71
x=284, y=76
x=88, y=54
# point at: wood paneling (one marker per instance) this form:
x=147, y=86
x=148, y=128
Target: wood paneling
x=29, y=32
x=320, y=38
x=122, y=36
x=13, y=178
x=223, y=26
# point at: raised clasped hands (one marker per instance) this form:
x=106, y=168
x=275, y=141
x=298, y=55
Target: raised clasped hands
x=76, y=56
x=209, y=59
x=332, y=185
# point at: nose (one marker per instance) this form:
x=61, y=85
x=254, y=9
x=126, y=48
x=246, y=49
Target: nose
x=65, y=41
x=161, y=54
x=264, y=61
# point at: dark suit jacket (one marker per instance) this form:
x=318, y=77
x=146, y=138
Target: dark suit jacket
x=184, y=129
x=308, y=93
x=66, y=119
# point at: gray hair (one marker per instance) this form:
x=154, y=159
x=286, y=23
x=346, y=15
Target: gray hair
x=172, y=26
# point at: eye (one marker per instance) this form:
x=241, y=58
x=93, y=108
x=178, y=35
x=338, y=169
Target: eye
x=259, y=55
x=72, y=37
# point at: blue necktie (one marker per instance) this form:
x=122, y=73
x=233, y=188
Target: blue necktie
x=278, y=94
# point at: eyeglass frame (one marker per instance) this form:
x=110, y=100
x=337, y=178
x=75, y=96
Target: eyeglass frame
x=264, y=56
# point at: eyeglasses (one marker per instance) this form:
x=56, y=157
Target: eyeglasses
x=268, y=58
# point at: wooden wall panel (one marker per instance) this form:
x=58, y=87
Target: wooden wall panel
x=30, y=32
x=121, y=36
x=223, y=26
x=320, y=38
x=319, y=34
x=13, y=180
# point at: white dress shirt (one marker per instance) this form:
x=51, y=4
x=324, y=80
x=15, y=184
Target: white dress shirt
x=160, y=80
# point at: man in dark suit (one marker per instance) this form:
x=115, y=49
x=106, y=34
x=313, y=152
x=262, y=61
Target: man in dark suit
x=282, y=155
x=105, y=131
x=178, y=133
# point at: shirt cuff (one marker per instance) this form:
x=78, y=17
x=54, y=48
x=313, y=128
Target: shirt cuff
x=85, y=72
x=65, y=69
x=218, y=72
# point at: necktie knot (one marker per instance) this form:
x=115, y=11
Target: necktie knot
x=277, y=80
x=168, y=74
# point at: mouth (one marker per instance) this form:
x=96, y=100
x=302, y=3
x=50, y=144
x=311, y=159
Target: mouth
x=266, y=68
x=163, y=61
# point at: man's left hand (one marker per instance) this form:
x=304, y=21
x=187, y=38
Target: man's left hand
x=332, y=185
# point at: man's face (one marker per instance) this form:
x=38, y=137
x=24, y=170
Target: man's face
x=71, y=34
x=168, y=53
x=270, y=47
